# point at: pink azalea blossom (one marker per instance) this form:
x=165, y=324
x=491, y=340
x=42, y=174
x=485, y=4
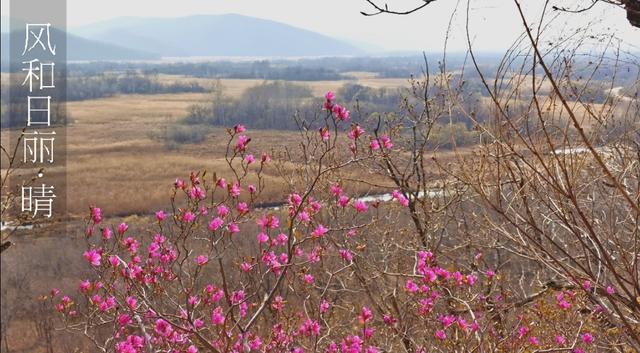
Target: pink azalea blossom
x=217, y=316
x=308, y=279
x=96, y=214
x=215, y=224
x=263, y=238
x=385, y=141
x=324, y=134
x=160, y=216
x=241, y=145
x=188, y=217
x=324, y=306
x=202, y=260
x=356, y=132
x=233, y=228
x=360, y=206
x=346, y=255
x=122, y=228
x=319, y=231
x=365, y=315
x=93, y=257
x=222, y=211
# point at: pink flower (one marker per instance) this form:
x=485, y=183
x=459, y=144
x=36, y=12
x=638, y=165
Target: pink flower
x=309, y=327
x=346, y=255
x=278, y=303
x=263, y=238
x=222, y=210
x=242, y=207
x=308, y=279
x=365, y=315
x=611, y=290
x=389, y=320
x=324, y=134
x=245, y=267
x=586, y=285
x=268, y=221
x=295, y=200
x=255, y=344
x=324, y=306
x=217, y=316
x=356, y=132
x=202, y=260
x=304, y=217
x=360, y=206
x=522, y=331
x=132, y=302
x=84, y=286
x=587, y=338
x=124, y=320
x=197, y=193
x=533, y=340
x=233, y=228
x=560, y=340
x=441, y=335
x=336, y=189
x=238, y=129
x=160, y=216
x=319, y=231
x=93, y=257
x=107, y=233
x=343, y=201
x=330, y=96
x=221, y=183
x=122, y=228
x=215, y=224
x=251, y=188
x=386, y=142
x=114, y=260
x=179, y=184
x=163, y=328
x=249, y=158
x=188, y=217
x=192, y=349
x=235, y=190
x=241, y=145
x=374, y=145
x=411, y=286
x=96, y=214
x=341, y=113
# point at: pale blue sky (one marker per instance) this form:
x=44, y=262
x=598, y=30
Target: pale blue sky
x=494, y=22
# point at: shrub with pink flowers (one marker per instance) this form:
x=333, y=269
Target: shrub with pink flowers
x=326, y=271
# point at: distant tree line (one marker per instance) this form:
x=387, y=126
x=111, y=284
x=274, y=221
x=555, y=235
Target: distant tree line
x=106, y=85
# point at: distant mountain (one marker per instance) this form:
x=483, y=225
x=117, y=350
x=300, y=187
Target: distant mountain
x=81, y=49
x=215, y=35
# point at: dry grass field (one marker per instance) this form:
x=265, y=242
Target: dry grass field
x=114, y=161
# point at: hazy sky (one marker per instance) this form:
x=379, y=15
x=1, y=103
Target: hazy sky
x=494, y=22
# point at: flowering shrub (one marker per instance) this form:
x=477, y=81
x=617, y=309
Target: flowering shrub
x=325, y=272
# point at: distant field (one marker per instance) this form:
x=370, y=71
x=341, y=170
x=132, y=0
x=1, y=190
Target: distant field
x=114, y=161
x=235, y=87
